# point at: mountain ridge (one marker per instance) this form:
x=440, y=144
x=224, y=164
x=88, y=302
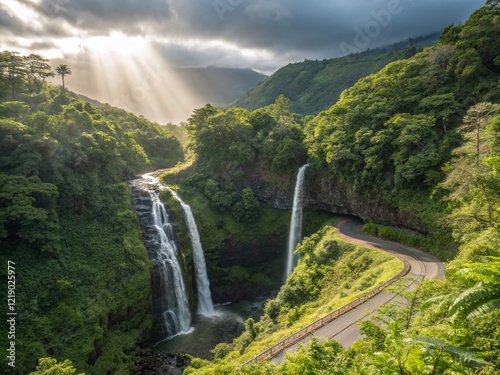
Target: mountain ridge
x=315, y=85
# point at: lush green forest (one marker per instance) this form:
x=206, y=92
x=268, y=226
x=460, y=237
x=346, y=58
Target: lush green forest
x=66, y=220
x=313, y=86
x=420, y=136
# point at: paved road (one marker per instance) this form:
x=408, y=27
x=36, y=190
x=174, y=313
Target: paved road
x=344, y=329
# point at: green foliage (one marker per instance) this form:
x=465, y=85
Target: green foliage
x=316, y=358
x=27, y=210
x=483, y=297
x=248, y=209
x=63, y=163
x=314, y=86
x=221, y=350
x=315, y=287
x=63, y=70
x=472, y=181
x=421, y=354
x=13, y=71
x=373, y=333
x=433, y=245
x=288, y=155
x=178, y=131
x=422, y=136
x=374, y=138
x=322, y=255
x=66, y=217
x=227, y=143
x=14, y=110
x=50, y=366
x=486, y=333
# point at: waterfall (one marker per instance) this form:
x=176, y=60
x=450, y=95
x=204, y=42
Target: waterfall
x=205, y=304
x=295, y=235
x=170, y=301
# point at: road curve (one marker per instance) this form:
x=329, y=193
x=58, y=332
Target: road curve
x=344, y=329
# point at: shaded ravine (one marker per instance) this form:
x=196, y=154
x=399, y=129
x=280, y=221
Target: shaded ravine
x=344, y=328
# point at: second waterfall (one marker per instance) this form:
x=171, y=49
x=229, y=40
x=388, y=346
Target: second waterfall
x=295, y=235
x=205, y=304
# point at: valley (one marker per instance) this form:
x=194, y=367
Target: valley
x=262, y=220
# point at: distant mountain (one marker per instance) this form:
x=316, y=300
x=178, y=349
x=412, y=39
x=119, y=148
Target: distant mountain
x=314, y=86
x=219, y=86
x=86, y=99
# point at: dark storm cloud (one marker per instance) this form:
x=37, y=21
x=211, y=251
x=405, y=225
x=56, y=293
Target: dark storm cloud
x=291, y=30
x=317, y=26
x=99, y=17
x=9, y=23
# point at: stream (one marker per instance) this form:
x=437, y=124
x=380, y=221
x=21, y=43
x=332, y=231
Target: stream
x=227, y=323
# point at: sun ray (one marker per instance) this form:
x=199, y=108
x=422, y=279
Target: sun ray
x=127, y=72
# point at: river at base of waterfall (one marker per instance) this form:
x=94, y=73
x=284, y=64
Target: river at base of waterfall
x=227, y=323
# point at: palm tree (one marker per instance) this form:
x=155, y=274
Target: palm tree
x=63, y=70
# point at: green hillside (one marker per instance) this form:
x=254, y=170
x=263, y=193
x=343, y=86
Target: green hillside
x=81, y=271
x=420, y=137
x=417, y=141
x=313, y=86
x=219, y=86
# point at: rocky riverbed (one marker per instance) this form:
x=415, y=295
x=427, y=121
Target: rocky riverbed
x=161, y=363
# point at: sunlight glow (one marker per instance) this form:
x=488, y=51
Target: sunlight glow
x=128, y=73
x=220, y=45
x=22, y=11
x=116, y=43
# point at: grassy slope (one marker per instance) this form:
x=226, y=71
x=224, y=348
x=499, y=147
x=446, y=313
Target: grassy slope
x=349, y=272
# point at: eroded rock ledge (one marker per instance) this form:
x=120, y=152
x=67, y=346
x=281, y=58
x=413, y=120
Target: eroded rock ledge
x=325, y=194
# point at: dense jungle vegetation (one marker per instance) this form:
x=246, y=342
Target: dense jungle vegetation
x=313, y=86
x=82, y=271
x=422, y=135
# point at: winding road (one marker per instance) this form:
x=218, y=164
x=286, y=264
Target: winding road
x=344, y=328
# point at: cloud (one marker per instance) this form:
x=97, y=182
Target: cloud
x=259, y=34
x=97, y=17
x=268, y=10
x=310, y=29
x=10, y=23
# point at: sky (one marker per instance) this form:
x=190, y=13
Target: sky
x=122, y=51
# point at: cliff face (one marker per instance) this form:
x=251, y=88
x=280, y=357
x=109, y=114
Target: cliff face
x=324, y=194
x=163, y=297
x=247, y=271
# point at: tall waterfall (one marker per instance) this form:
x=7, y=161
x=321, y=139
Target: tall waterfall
x=170, y=300
x=295, y=235
x=205, y=304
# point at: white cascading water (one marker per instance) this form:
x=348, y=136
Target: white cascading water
x=205, y=304
x=295, y=235
x=175, y=304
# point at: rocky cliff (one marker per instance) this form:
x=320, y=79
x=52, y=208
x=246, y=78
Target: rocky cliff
x=325, y=194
